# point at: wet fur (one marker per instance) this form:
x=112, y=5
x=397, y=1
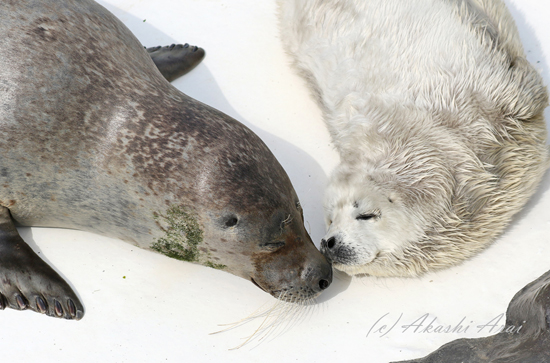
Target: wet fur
x=438, y=119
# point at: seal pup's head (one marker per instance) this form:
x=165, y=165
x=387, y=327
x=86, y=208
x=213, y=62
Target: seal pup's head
x=414, y=198
x=369, y=222
x=398, y=209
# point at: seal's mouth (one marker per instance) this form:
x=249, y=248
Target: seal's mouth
x=255, y=283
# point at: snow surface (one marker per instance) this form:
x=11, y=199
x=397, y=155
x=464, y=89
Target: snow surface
x=144, y=307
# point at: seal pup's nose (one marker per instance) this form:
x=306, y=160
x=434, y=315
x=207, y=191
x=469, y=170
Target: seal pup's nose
x=329, y=248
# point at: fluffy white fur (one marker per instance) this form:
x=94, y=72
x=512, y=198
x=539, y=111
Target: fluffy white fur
x=438, y=119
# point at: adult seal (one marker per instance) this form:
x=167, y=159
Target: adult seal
x=94, y=138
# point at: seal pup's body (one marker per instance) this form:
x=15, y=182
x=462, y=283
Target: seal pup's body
x=94, y=138
x=438, y=119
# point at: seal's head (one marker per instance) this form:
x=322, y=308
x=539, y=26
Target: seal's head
x=243, y=215
x=270, y=247
x=255, y=229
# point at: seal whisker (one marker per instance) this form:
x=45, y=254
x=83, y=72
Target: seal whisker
x=265, y=324
x=286, y=312
x=252, y=316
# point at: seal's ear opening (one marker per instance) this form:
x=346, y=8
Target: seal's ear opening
x=231, y=221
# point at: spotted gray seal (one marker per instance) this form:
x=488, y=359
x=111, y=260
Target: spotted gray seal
x=94, y=138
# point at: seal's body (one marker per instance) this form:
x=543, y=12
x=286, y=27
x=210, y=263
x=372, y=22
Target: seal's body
x=438, y=119
x=94, y=138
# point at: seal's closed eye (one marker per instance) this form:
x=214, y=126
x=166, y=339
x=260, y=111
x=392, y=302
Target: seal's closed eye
x=272, y=246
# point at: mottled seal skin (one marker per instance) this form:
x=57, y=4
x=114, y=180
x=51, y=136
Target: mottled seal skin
x=94, y=138
x=526, y=338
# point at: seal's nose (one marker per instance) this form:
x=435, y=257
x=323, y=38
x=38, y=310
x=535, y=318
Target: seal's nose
x=324, y=277
x=324, y=283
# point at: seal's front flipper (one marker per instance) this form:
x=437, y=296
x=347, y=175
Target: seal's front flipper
x=26, y=281
x=174, y=61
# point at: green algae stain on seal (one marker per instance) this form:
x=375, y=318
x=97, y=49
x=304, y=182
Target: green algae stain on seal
x=182, y=237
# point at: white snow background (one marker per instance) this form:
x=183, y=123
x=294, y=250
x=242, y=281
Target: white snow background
x=144, y=307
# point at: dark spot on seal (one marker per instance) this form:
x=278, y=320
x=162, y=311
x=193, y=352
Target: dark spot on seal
x=44, y=34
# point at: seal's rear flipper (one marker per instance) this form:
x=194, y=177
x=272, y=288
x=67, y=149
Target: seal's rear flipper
x=26, y=281
x=174, y=61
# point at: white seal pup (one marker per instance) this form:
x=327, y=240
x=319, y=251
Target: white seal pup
x=438, y=119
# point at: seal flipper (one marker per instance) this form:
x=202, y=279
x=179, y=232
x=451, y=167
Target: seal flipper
x=174, y=61
x=26, y=281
